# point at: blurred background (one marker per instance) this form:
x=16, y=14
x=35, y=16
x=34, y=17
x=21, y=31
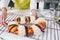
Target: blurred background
x=47, y=3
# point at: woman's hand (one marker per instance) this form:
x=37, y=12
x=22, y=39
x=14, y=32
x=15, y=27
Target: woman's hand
x=34, y=13
x=2, y=21
x=3, y=16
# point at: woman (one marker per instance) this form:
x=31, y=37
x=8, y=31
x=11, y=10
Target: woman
x=18, y=4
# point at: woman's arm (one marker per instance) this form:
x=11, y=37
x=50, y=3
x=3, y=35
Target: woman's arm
x=33, y=7
x=4, y=5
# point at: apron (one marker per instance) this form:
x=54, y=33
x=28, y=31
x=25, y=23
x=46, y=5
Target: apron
x=22, y=4
x=22, y=7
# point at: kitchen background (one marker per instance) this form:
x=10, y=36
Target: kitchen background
x=46, y=4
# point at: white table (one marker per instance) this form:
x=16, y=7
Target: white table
x=52, y=31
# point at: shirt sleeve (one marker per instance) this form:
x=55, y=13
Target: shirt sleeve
x=4, y=3
x=33, y=4
x=13, y=1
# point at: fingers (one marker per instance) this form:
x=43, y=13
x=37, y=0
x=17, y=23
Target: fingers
x=3, y=22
